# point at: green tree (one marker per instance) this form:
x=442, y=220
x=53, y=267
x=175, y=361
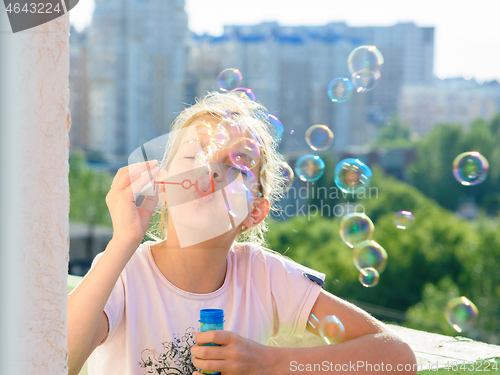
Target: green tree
x=438, y=246
x=394, y=133
x=88, y=189
x=432, y=171
x=429, y=313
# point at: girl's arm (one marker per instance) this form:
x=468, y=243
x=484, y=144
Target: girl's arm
x=369, y=346
x=87, y=322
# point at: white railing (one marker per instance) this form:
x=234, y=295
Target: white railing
x=436, y=354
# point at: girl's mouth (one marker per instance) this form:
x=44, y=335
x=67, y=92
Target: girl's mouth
x=203, y=198
x=204, y=189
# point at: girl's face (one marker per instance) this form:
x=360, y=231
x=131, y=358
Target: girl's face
x=212, y=180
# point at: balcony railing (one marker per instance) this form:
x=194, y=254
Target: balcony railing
x=436, y=354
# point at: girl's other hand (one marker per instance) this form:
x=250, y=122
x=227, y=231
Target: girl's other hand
x=130, y=222
x=236, y=354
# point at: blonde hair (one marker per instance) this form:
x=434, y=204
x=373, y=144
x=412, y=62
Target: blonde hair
x=254, y=118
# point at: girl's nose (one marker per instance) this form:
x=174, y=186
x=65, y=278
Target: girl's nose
x=216, y=171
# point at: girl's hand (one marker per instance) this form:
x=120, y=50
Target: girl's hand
x=129, y=221
x=236, y=355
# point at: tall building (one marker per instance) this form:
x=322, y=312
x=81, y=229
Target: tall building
x=408, y=52
x=137, y=52
x=78, y=88
x=289, y=69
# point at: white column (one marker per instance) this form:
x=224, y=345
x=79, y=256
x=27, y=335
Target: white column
x=34, y=197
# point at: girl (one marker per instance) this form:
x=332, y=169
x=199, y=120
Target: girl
x=137, y=309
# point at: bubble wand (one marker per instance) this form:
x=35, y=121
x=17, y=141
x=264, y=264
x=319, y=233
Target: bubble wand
x=187, y=184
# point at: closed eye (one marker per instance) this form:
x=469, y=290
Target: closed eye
x=243, y=172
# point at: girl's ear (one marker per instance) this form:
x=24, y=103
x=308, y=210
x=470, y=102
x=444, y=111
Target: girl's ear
x=261, y=207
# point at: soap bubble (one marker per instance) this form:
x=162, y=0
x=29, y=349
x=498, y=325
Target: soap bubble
x=309, y=167
x=288, y=175
x=370, y=254
x=404, y=219
x=319, y=137
x=340, y=89
x=369, y=277
x=364, y=64
x=244, y=152
x=244, y=92
x=232, y=128
x=365, y=81
x=352, y=176
x=238, y=175
x=275, y=123
x=277, y=126
x=470, y=168
x=365, y=59
x=265, y=178
x=331, y=329
x=239, y=200
x=284, y=169
x=461, y=313
x=229, y=79
x=221, y=136
x=356, y=227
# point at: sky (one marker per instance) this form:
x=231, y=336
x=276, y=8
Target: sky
x=467, y=33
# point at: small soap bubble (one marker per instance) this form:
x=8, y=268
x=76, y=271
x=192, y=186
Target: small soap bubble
x=221, y=137
x=265, y=177
x=275, y=124
x=319, y=137
x=355, y=228
x=233, y=129
x=229, y=79
x=404, y=219
x=470, y=168
x=244, y=92
x=239, y=200
x=204, y=133
x=365, y=81
x=352, y=176
x=340, y=89
x=370, y=254
x=461, y=313
x=238, y=175
x=244, y=152
x=369, y=277
x=365, y=59
x=309, y=167
x=331, y=329
x=313, y=322
x=286, y=173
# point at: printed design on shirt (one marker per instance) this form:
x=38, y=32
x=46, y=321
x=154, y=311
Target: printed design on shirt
x=175, y=359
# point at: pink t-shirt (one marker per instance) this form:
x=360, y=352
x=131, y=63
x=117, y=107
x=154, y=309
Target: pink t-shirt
x=152, y=322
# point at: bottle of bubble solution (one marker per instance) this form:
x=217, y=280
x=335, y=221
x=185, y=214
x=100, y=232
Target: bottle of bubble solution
x=210, y=320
